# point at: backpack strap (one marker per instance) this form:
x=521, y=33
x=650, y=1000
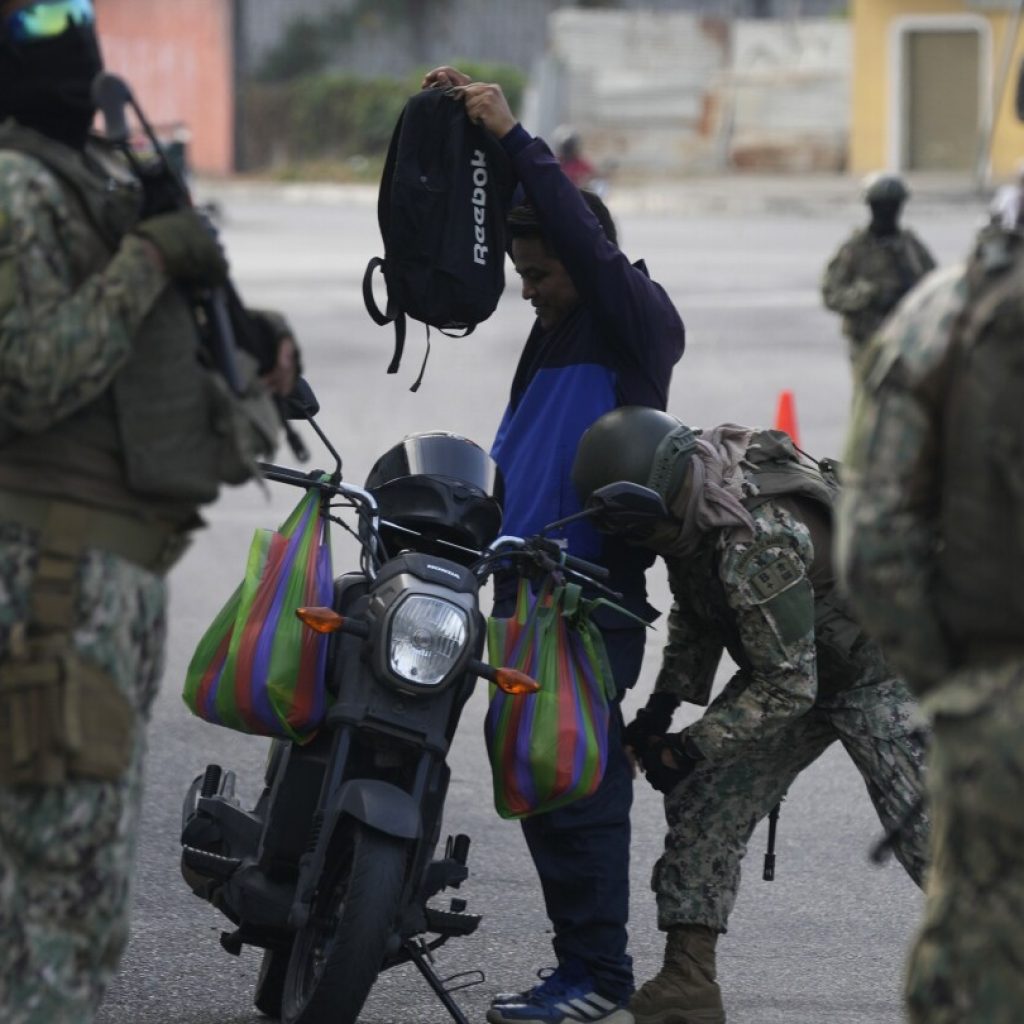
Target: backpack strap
x=776, y=471
x=465, y=333
x=423, y=367
x=391, y=314
x=388, y=316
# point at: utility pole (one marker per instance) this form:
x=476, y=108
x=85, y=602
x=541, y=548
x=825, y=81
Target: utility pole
x=983, y=164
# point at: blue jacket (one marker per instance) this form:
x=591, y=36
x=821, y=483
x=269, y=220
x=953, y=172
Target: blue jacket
x=617, y=348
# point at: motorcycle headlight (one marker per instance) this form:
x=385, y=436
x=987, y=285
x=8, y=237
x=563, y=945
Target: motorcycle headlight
x=427, y=636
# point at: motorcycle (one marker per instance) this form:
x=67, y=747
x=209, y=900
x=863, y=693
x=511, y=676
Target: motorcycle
x=333, y=872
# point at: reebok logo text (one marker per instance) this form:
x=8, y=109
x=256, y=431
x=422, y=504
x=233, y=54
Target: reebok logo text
x=479, y=165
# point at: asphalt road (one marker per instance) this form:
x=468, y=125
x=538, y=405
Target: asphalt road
x=825, y=941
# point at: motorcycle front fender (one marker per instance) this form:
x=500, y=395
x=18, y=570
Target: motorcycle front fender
x=378, y=805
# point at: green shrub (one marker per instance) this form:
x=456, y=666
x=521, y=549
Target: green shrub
x=334, y=116
x=303, y=49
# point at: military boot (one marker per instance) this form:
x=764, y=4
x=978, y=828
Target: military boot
x=684, y=991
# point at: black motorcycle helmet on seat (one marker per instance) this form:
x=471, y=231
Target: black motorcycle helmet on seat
x=441, y=485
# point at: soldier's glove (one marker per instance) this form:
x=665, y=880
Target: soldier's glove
x=160, y=192
x=269, y=330
x=651, y=722
x=684, y=753
x=188, y=246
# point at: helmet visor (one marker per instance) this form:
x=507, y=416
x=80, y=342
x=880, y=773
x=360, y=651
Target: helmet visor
x=438, y=454
x=47, y=20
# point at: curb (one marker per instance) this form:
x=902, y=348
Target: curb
x=797, y=195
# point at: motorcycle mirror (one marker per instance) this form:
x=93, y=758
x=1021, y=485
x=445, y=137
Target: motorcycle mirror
x=511, y=680
x=301, y=404
x=626, y=500
x=621, y=503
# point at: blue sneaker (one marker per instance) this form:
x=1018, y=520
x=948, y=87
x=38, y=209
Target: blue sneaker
x=546, y=974
x=558, y=1001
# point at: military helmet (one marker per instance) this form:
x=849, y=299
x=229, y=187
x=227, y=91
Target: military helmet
x=885, y=188
x=635, y=443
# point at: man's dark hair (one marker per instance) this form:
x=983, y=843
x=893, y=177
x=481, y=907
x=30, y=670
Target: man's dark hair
x=523, y=221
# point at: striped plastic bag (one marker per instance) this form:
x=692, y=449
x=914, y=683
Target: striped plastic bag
x=548, y=748
x=258, y=669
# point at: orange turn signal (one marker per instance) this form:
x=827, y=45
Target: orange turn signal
x=511, y=680
x=323, y=620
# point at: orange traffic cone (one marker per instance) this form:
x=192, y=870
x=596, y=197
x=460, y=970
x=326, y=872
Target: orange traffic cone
x=785, y=417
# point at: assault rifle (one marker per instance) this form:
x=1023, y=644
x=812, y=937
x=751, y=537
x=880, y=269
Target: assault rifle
x=221, y=314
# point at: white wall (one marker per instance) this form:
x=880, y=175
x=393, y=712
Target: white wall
x=677, y=93
x=636, y=85
x=787, y=95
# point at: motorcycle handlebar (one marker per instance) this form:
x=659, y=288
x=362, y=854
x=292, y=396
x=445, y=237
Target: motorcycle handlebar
x=283, y=475
x=296, y=478
x=545, y=546
x=597, y=572
x=505, y=546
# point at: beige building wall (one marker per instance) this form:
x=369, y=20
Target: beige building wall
x=887, y=121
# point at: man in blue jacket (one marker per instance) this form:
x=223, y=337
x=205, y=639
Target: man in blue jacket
x=605, y=335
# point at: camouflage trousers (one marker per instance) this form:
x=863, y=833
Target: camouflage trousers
x=66, y=852
x=712, y=813
x=967, y=965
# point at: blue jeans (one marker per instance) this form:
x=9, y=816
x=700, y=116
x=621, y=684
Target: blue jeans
x=581, y=852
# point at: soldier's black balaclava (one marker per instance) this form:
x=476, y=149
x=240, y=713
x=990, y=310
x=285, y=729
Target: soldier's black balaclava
x=885, y=217
x=46, y=84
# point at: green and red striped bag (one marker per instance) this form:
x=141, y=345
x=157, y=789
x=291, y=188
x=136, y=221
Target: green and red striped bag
x=258, y=669
x=548, y=748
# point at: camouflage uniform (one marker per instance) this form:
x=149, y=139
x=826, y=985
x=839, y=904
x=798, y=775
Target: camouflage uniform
x=932, y=546
x=92, y=339
x=66, y=851
x=867, y=278
x=807, y=677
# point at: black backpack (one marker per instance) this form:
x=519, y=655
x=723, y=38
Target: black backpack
x=442, y=203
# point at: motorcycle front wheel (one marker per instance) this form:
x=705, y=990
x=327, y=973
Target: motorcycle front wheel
x=337, y=956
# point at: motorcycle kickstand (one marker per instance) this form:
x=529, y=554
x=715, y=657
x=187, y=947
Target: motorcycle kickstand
x=423, y=965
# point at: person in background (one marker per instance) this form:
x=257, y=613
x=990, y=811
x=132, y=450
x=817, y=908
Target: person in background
x=604, y=335
x=877, y=266
x=575, y=166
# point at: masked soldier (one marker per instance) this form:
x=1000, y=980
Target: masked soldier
x=113, y=430
x=877, y=266
x=932, y=543
x=747, y=544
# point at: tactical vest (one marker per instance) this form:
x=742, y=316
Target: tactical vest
x=168, y=431
x=894, y=265
x=980, y=579
x=846, y=658
x=123, y=474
